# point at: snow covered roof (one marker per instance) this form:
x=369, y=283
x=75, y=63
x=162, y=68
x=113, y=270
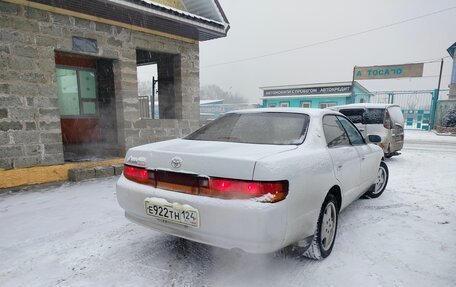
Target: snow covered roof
x=209, y=9
x=209, y=102
x=364, y=105
x=205, y=14
x=451, y=50
x=308, y=111
x=196, y=20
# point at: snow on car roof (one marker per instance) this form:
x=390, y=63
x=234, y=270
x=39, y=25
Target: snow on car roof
x=308, y=111
x=364, y=105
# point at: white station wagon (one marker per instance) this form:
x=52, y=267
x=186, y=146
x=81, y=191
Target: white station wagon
x=258, y=180
x=385, y=120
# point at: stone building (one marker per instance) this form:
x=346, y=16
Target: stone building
x=68, y=75
x=445, y=109
x=318, y=95
x=452, y=51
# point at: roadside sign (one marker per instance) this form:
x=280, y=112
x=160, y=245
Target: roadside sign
x=388, y=72
x=309, y=91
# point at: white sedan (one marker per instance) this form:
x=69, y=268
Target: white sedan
x=258, y=180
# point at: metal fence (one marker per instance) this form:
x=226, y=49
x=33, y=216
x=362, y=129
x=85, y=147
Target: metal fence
x=416, y=106
x=207, y=111
x=210, y=112
x=407, y=100
x=144, y=107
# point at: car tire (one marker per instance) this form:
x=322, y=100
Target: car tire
x=380, y=182
x=325, y=235
x=388, y=155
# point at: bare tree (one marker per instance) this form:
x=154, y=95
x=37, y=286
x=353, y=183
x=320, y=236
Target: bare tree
x=214, y=92
x=144, y=88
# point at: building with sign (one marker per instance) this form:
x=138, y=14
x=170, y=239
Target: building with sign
x=321, y=95
x=68, y=75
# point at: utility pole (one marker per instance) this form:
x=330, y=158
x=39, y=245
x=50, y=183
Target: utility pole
x=154, y=82
x=353, y=86
x=435, y=98
x=440, y=77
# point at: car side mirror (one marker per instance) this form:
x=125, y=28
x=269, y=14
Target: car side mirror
x=374, y=138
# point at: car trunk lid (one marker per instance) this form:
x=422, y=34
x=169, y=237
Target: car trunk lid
x=209, y=158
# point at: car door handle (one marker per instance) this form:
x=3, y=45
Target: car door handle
x=339, y=166
x=363, y=158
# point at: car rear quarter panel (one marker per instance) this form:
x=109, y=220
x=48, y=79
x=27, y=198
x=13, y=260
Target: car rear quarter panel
x=309, y=172
x=228, y=223
x=380, y=130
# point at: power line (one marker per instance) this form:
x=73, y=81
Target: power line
x=433, y=60
x=436, y=60
x=332, y=40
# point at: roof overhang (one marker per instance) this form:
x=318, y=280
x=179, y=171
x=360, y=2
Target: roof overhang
x=147, y=15
x=451, y=50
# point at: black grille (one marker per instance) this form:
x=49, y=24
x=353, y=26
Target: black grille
x=177, y=178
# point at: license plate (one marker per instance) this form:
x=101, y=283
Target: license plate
x=175, y=212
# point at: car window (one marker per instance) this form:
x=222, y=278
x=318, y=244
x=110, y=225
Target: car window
x=255, y=128
x=353, y=133
x=375, y=116
x=355, y=115
x=396, y=115
x=334, y=132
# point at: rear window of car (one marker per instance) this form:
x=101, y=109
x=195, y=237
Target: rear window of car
x=356, y=116
x=374, y=116
x=396, y=115
x=255, y=128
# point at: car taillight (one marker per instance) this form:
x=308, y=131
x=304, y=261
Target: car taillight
x=265, y=191
x=269, y=191
x=387, y=121
x=139, y=175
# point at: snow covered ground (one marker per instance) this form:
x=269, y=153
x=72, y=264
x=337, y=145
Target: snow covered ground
x=76, y=235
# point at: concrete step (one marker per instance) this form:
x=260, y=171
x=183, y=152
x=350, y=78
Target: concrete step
x=13, y=178
x=79, y=174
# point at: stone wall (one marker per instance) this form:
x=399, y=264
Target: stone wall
x=452, y=93
x=30, y=132
x=446, y=130
x=452, y=86
x=443, y=106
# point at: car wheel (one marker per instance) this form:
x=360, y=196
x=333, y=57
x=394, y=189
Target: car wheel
x=380, y=182
x=325, y=235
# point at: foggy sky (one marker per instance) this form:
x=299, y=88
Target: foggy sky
x=262, y=27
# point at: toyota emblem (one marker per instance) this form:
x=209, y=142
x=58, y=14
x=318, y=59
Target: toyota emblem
x=176, y=162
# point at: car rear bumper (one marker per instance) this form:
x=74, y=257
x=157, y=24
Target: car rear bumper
x=245, y=224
